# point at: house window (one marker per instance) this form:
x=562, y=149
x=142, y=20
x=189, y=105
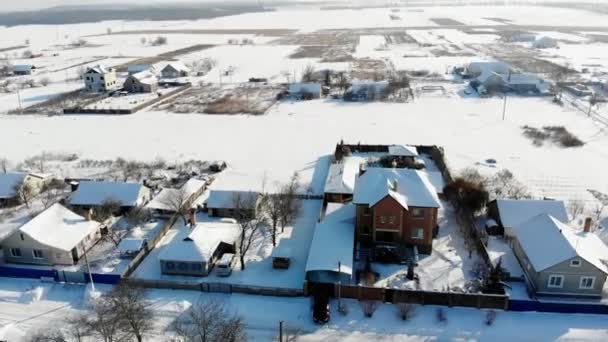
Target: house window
x=197, y=267
x=556, y=281
x=170, y=265
x=417, y=233
x=16, y=252
x=182, y=266
x=587, y=283
x=37, y=254
x=575, y=263
x=366, y=230
x=391, y=219
x=366, y=211
x=418, y=213
x=22, y=237
x=383, y=219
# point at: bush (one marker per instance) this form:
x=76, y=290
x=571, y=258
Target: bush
x=405, y=311
x=490, y=317
x=160, y=40
x=467, y=195
x=369, y=307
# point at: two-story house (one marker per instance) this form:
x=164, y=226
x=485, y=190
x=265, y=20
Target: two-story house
x=396, y=206
x=99, y=79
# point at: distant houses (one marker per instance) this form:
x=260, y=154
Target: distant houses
x=493, y=77
x=226, y=203
x=96, y=194
x=23, y=69
x=100, y=79
x=57, y=236
x=12, y=184
x=305, y=91
x=175, y=70
x=141, y=82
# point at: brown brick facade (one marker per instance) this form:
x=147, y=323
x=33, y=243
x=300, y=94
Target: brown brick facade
x=388, y=221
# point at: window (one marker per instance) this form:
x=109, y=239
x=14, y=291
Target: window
x=418, y=233
x=382, y=219
x=197, y=267
x=391, y=219
x=418, y=213
x=366, y=211
x=170, y=265
x=37, y=254
x=22, y=237
x=575, y=263
x=556, y=281
x=16, y=252
x=587, y=283
x=182, y=266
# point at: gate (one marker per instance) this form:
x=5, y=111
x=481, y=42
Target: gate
x=216, y=287
x=71, y=277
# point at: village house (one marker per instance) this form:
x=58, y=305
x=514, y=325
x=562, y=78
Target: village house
x=23, y=69
x=11, y=184
x=99, y=79
x=226, y=203
x=476, y=69
x=57, y=236
x=137, y=68
x=141, y=82
x=95, y=194
x=559, y=261
x=505, y=214
x=175, y=70
x=340, y=182
x=197, y=253
x=305, y=91
x=396, y=206
x=167, y=200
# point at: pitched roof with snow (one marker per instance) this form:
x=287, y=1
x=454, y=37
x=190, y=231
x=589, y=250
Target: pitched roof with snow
x=98, y=69
x=314, y=88
x=129, y=245
x=408, y=187
x=9, y=182
x=225, y=199
x=402, y=151
x=136, y=68
x=145, y=77
x=23, y=67
x=177, y=66
x=514, y=212
x=164, y=198
x=200, y=244
x=341, y=177
x=491, y=67
x=58, y=227
x=96, y=193
x=333, y=240
x=559, y=243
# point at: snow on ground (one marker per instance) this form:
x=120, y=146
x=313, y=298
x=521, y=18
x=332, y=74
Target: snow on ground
x=32, y=96
x=449, y=266
x=258, y=270
x=60, y=301
x=499, y=249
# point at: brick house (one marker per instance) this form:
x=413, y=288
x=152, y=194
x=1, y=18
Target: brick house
x=396, y=206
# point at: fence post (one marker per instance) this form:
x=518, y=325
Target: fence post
x=479, y=302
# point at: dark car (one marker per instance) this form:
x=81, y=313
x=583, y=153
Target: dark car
x=385, y=253
x=320, y=310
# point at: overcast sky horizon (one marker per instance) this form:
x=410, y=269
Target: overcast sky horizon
x=26, y=5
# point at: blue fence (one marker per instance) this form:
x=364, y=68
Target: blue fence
x=16, y=272
x=111, y=279
x=531, y=305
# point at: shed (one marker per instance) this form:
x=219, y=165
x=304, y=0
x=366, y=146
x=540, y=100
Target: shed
x=508, y=213
x=174, y=70
x=129, y=247
x=23, y=69
x=305, y=91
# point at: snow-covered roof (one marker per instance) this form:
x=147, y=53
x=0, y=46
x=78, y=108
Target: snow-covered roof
x=515, y=79
x=177, y=66
x=341, y=177
x=314, y=88
x=98, y=192
x=138, y=68
x=435, y=178
x=226, y=198
x=98, y=69
x=402, y=151
x=333, y=240
x=145, y=77
x=128, y=245
x=548, y=242
x=494, y=66
x=58, y=227
x=359, y=86
x=163, y=199
x=408, y=187
x=9, y=182
x=200, y=244
x=514, y=212
x=23, y=67
x=545, y=42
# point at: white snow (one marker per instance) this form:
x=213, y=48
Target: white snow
x=167, y=196
x=130, y=245
x=342, y=176
x=515, y=212
x=60, y=228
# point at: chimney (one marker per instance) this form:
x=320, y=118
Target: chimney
x=88, y=213
x=587, y=227
x=395, y=184
x=362, y=169
x=192, y=219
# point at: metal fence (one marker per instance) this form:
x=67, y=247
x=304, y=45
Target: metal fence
x=215, y=287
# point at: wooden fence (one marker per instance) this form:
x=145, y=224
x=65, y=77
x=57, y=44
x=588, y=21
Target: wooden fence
x=215, y=287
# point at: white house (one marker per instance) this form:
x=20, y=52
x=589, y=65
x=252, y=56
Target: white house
x=57, y=236
x=141, y=82
x=174, y=70
x=91, y=194
x=305, y=90
x=167, y=199
x=12, y=182
x=99, y=79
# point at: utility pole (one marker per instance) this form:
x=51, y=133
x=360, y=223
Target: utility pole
x=339, y=285
x=504, y=106
x=280, y=331
x=89, y=271
x=19, y=99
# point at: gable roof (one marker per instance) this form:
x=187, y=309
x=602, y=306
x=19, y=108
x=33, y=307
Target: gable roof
x=8, y=183
x=514, y=212
x=202, y=241
x=23, y=67
x=342, y=177
x=144, y=77
x=98, y=192
x=548, y=242
x=164, y=196
x=177, y=66
x=136, y=68
x=225, y=198
x=98, y=69
x=412, y=189
x=58, y=227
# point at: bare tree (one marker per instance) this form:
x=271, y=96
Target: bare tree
x=250, y=222
x=505, y=185
x=133, y=309
x=343, y=81
x=405, y=311
x=576, y=207
x=308, y=74
x=559, y=76
x=51, y=192
x=106, y=210
x=595, y=102
x=178, y=201
x=77, y=327
x=3, y=165
x=105, y=321
x=272, y=207
x=143, y=40
x=209, y=321
x=369, y=307
x=27, y=54
x=25, y=192
x=290, y=203
x=45, y=81
x=108, y=30
x=137, y=216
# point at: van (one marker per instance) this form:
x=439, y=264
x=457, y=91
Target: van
x=224, y=265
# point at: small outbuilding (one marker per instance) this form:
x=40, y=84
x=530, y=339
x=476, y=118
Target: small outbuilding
x=141, y=82
x=23, y=69
x=305, y=91
x=95, y=194
x=175, y=70
x=509, y=213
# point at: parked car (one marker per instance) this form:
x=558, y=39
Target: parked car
x=320, y=310
x=224, y=266
x=385, y=253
